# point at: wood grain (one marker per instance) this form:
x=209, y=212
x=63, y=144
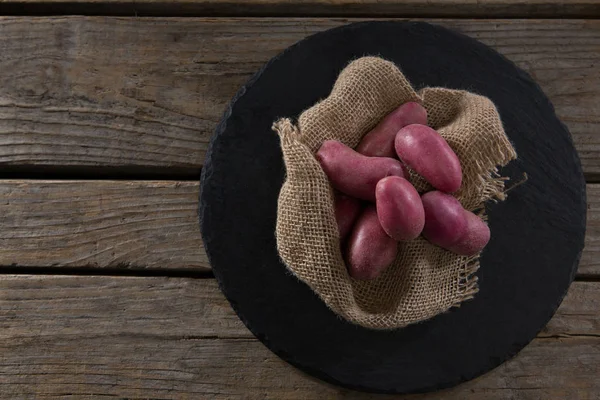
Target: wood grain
x=590, y=258
x=108, y=224
x=136, y=225
x=36, y=307
x=144, y=94
x=172, y=338
x=387, y=8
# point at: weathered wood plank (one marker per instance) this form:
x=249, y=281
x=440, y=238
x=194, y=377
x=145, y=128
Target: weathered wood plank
x=114, y=224
x=150, y=367
x=68, y=337
x=387, y=8
x=35, y=307
x=579, y=313
x=590, y=258
x=146, y=93
x=135, y=225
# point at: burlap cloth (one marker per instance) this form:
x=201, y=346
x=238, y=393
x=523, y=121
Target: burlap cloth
x=424, y=280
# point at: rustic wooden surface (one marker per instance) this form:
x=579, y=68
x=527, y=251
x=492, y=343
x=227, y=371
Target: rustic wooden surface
x=144, y=95
x=178, y=338
x=101, y=224
x=104, y=124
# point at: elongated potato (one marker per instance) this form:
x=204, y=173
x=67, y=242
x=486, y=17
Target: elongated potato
x=445, y=219
x=399, y=208
x=379, y=142
x=346, y=212
x=352, y=173
x=370, y=249
x=425, y=151
x=476, y=237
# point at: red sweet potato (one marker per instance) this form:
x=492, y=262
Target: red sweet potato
x=346, y=212
x=352, y=173
x=399, y=208
x=426, y=152
x=476, y=237
x=445, y=220
x=379, y=142
x=370, y=249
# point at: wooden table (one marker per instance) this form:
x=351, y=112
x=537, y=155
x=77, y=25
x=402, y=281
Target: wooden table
x=105, y=289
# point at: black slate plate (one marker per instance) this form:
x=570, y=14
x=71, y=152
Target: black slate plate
x=537, y=234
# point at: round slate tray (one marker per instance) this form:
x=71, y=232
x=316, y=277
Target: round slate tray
x=537, y=234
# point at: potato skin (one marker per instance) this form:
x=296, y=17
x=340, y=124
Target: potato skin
x=352, y=173
x=399, y=208
x=346, y=212
x=476, y=237
x=370, y=249
x=445, y=220
x=426, y=152
x=379, y=142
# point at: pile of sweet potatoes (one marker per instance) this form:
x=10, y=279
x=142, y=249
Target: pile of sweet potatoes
x=376, y=206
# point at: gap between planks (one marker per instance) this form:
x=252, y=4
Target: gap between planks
x=95, y=97
x=129, y=226
x=310, y=8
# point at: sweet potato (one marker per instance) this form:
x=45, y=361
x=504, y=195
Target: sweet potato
x=445, y=219
x=426, y=152
x=476, y=237
x=346, y=212
x=370, y=249
x=379, y=142
x=399, y=208
x=352, y=173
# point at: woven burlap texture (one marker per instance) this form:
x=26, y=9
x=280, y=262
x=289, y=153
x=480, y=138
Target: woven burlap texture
x=424, y=280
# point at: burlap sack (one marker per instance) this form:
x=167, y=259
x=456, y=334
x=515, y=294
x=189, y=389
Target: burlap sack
x=425, y=280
